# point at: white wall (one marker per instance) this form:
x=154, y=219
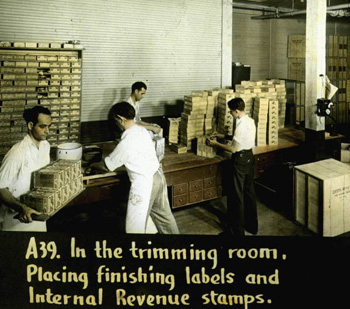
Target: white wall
x=263, y=43
x=174, y=46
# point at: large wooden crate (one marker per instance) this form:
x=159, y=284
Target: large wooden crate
x=322, y=196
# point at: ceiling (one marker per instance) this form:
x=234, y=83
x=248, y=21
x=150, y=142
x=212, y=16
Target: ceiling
x=284, y=8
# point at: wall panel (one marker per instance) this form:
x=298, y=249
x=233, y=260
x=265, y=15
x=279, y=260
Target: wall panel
x=174, y=46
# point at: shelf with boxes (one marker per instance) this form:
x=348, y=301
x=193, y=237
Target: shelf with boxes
x=337, y=70
x=31, y=76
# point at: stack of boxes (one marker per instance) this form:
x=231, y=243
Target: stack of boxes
x=272, y=123
x=174, y=124
x=224, y=118
x=203, y=149
x=192, y=119
x=209, y=119
x=54, y=186
x=337, y=70
x=260, y=113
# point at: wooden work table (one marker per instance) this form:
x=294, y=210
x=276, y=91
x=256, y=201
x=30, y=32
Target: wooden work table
x=191, y=178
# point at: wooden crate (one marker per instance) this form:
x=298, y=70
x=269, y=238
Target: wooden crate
x=322, y=196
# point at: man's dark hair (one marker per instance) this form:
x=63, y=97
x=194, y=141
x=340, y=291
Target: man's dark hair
x=138, y=86
x=32, y=114
x=236, y=103
x=123, y=109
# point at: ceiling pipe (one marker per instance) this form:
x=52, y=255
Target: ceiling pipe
x=257, y=7
x=289, y=13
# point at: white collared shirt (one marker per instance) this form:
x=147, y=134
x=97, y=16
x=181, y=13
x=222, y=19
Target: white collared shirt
x=20, y=162
x=136, y=151
x=245, y=132
x=16, y=170
x=136, y=106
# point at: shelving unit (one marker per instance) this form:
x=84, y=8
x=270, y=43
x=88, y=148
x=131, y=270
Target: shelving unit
x=51, y=77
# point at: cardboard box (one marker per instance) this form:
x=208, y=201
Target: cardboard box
x=345, y=153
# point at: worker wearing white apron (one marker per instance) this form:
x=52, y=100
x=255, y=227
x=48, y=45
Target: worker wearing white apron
x=25, y=157
x=136, y=152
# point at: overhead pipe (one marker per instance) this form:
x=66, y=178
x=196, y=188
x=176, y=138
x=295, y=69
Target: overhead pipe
x=300, y=12
x=256, y=7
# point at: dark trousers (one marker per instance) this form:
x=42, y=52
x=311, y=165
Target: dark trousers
x=241, y=201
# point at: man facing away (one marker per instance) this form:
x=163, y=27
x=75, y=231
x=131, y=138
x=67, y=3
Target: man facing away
x=137, y=153
x=24, y=158
x=241, y=201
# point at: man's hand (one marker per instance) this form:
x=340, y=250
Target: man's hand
x=25, y=216
x=99, y=166
x=218, y=135
x=212, y=142
x=156, y=129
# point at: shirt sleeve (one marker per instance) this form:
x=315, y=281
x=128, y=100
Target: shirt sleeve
x=9, y=172
x=117, y=158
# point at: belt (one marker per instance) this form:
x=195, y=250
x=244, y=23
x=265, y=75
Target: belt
x=241, y=152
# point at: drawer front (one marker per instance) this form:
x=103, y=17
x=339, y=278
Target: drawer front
x=196, y=185
x=209, y=182
x=180, y=200
x=196, y=196
x=210, y=193
x=180, y=189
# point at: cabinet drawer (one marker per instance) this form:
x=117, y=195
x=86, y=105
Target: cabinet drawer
x=196, y=185
x=180, y=189
x=196, y=196
x=209, y=182
x=179, y=200
x=210, y=193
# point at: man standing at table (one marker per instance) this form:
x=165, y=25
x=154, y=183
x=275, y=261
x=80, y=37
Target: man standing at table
x=24, y=158
x=241, y=201
x=148, y=201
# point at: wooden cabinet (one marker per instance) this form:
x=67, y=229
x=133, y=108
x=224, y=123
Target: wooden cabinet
x=194, y=185
x=38, y=76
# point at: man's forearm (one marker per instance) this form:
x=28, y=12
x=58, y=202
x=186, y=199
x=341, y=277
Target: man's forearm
x=9, y=200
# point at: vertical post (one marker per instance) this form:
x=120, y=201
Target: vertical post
x=226, y=39
x=315, y=66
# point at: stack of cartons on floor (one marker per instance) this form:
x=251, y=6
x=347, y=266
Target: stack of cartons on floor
x=54, y=186
x=322, y=196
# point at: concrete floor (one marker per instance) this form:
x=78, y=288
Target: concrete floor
x=205, y=218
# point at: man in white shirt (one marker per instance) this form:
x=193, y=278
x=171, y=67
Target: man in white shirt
x=137, y=153
x=138, y=91
x=241, y=201
x=25, y=157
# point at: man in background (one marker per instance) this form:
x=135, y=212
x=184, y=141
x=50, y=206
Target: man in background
x=138, y=91
x=24, y=158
